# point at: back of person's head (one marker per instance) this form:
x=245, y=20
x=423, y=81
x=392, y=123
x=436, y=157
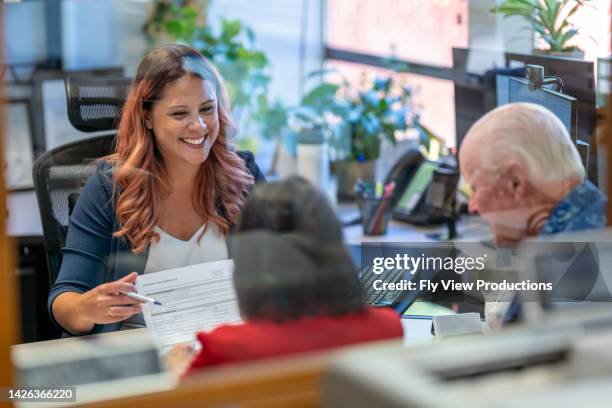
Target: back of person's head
x=529, y=133
x=289, y=258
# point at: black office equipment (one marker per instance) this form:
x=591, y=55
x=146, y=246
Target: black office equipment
x=95, y=104
x=52, y=126
x=563, y=106
x=59, y=175
x=502, y=88
x=411, y=196
x=428, y=199
x=34, y=285
x=441, y=199
x=475, y=96
x=386, y=298
x=534, y=89
x=399, y=300
x=403, y=172
x=578, y=77
x=584, y=149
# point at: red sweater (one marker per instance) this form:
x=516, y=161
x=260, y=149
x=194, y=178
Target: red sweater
x=259, y=339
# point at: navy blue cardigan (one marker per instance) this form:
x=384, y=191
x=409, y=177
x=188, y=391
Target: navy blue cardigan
x=92, y=256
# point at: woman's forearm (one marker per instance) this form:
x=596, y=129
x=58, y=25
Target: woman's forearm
x=67, y=313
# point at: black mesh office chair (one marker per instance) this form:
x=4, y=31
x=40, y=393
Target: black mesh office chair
x=94, y=104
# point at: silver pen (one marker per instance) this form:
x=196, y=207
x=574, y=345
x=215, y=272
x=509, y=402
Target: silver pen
x=141, y=298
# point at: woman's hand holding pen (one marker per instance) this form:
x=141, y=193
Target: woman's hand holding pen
x=107, y=304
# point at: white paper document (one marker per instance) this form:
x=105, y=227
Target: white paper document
x=193, y=298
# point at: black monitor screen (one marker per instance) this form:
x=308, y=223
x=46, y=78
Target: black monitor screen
x=563, y=106
x=502, y=90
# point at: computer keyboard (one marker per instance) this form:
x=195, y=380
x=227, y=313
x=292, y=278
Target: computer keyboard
x=389, y=298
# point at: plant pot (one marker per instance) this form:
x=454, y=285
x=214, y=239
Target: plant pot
x=349, y=172
x=574, y=54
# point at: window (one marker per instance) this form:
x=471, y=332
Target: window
x=433, y=98
x=422, y=32
x=415, y=30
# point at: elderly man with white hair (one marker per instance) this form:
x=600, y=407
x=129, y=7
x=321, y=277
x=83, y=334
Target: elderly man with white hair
x=526, y=175
x=527, y=179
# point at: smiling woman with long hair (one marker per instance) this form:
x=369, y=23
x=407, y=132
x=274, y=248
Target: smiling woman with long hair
x=174, y=186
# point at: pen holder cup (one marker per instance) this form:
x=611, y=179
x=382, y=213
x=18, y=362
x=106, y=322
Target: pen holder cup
x=375, y=215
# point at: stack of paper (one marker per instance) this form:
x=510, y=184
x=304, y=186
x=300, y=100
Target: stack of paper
x=193, y=298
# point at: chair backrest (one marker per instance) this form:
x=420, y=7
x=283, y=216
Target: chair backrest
x=94, y=103
x=59, y=175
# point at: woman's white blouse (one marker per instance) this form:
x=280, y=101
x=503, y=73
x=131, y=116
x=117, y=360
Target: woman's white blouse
x=170, y=252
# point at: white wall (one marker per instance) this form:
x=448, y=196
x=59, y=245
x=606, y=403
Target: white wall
x=495, y=33
x=276, y=24
x=128, y=19
x=277, y=28
x=24, y=32
x=88, y=37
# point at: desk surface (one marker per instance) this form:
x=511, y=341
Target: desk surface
x=24, y=220
x=469, y=227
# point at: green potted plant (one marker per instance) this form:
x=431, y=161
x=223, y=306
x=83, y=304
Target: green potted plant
x=550, y=19
x=356, y=123
x=313, y=115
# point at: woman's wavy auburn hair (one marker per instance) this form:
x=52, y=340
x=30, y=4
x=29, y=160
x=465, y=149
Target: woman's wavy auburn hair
x=223, y=181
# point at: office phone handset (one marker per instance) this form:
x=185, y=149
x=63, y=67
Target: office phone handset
x=425, y=190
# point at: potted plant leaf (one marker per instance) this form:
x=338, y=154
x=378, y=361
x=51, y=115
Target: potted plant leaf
x=319, y=112
x=550, y=19
x=375, y=114
x=357, y=122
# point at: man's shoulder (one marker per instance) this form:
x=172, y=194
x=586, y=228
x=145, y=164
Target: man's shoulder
x=588, y=206
x=583, y=208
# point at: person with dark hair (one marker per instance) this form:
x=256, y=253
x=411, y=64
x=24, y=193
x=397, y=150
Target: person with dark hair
x=297, y=287
x=174, y=186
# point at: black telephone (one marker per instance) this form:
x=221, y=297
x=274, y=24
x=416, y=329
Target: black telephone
x=424, y=190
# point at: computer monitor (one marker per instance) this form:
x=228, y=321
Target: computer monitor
x=584, y=149
x=502, y=89
x=604, y=80
x=563, y=106
x=475, y=95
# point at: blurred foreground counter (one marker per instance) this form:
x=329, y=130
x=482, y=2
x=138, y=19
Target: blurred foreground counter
x=110, y=365
x=565, y=362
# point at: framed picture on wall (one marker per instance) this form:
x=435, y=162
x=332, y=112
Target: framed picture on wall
x=18, y=152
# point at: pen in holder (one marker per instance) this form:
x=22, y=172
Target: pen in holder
x=375, y=207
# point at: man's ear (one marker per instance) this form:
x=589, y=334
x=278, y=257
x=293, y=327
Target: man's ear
x=519, y=179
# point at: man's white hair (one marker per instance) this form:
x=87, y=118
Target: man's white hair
x=534, y=135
